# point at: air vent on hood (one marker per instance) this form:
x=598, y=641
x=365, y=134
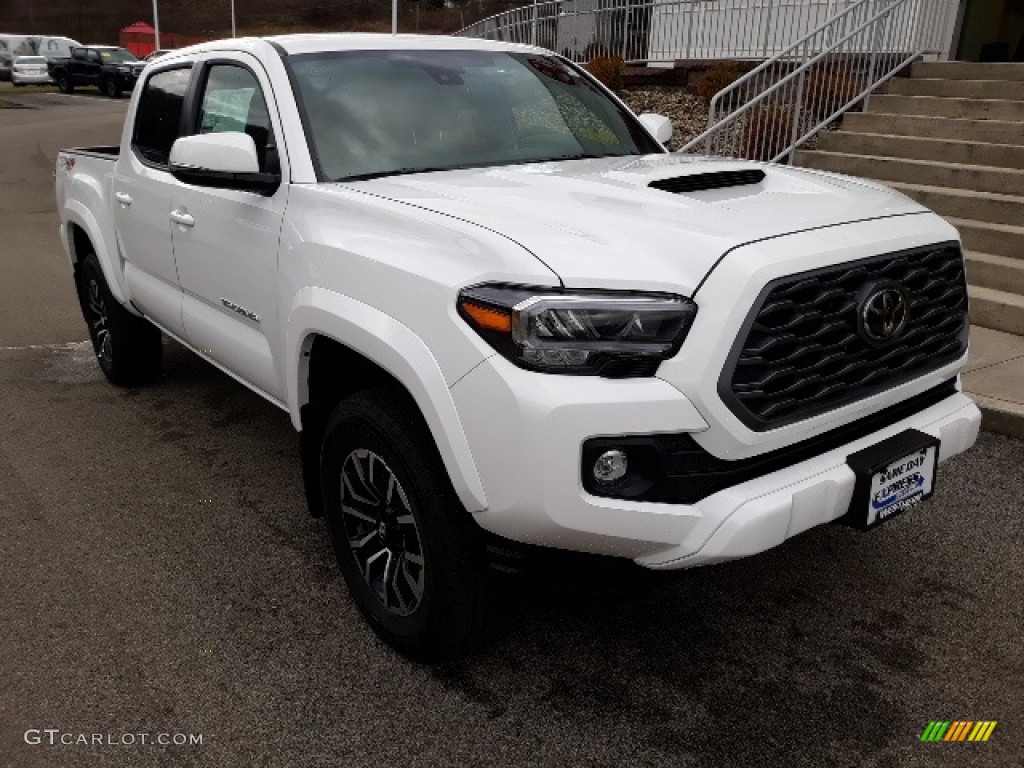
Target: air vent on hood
x=698, y=182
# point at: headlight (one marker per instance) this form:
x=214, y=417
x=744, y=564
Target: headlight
x=125, y=70
x=584, y=334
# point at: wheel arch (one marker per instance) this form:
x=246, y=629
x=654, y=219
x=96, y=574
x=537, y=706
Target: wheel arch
x=83, y=235
x=331, y=336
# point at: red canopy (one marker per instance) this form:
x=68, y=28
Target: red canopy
x=140, y=39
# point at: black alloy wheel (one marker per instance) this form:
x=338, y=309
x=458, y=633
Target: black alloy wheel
x=382, y=532
x=412, y=556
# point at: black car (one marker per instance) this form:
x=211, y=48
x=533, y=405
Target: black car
x=113, y=70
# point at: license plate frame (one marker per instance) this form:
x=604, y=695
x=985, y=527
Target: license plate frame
x=893, y=476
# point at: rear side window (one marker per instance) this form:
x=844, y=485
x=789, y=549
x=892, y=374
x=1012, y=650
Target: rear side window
x=159, y=114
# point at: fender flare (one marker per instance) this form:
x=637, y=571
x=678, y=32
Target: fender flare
x=77, y=214
x=394, y=347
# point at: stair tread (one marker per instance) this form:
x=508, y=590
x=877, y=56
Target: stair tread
x=903, y=137
x=1009, y=229
x=944, y=98
x=994, y=294
x=903, y=116
x=959, y=166
x=993, y=258
x=955, y=80
x=994, y=196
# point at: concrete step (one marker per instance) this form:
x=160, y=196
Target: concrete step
x=987, y=270
x=982, y=131
x=967, y=70
x=966, y=203
x=997, y=239
x=1012, y=90
x=913, y=148
x=976, y=177
x=1000, y=310
x=935, y=106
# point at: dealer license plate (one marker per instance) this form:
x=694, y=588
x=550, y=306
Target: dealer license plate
x=892, y=477
x=903, y=484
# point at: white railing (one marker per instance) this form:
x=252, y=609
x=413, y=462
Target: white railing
x=662, y=31
x=778, y=106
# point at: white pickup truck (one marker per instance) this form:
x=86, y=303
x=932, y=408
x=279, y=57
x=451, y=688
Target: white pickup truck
x=498, y=310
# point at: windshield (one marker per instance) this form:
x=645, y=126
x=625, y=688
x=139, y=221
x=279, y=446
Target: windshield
x=120, y=56
x=378, y=113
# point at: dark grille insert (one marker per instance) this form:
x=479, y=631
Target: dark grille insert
x=674, y=469
x=698, y=182
x=801, y=353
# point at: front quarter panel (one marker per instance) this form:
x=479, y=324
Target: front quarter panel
x=382, y=278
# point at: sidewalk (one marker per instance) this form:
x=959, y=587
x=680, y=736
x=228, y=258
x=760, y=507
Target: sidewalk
x=994, y=377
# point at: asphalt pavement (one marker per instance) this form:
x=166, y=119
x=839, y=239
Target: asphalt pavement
x=159, y=575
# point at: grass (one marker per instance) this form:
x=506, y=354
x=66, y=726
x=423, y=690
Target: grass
x=31, y=89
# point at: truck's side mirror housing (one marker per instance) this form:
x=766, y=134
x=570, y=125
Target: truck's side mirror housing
x=658, y=125
x=223, y=161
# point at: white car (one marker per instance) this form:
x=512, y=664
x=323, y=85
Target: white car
x=29, y=70
x=500, y=313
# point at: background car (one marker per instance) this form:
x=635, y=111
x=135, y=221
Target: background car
x=30, y=70
x=156, y=54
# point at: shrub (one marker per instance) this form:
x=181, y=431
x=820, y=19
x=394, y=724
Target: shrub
x=766, y=131
x=607, y=69
x=714, y=79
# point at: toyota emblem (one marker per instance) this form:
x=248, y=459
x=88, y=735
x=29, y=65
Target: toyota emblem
x=884, y=314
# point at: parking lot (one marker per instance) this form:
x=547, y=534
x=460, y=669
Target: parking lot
x=160, y=575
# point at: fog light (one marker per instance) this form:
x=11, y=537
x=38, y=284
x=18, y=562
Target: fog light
x=610, y=467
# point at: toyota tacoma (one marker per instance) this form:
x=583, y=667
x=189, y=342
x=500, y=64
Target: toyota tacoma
x=497, y=309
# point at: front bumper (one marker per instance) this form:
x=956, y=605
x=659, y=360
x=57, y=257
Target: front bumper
x=526, y=431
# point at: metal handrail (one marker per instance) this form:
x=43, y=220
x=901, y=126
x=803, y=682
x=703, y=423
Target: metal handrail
x=785, y=101
x=658, y=31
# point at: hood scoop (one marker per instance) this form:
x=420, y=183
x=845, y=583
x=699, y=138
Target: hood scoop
x=699, y=182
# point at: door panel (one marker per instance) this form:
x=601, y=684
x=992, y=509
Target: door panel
x=227, y=256
x=142, y=200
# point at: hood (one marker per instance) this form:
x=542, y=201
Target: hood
x=597, y=224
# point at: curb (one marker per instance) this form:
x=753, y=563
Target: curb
x=1000, y=416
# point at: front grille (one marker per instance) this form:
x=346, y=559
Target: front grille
x=699, y=182
x=802, y=350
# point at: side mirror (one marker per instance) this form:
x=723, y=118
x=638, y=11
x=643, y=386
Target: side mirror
x=223, y=161
x=658, y=126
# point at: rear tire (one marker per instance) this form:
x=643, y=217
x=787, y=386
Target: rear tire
x=64, y=84
x=413, y=559
x=129, y=349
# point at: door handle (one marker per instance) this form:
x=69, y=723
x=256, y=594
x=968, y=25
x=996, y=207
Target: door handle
x=123, y=198
x=183, y=217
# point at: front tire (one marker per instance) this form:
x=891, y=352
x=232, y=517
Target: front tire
x=128, y=348
x=413, y=559
x=112, y=88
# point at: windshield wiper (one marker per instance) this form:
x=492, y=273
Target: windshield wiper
x=467, y=166
x=395, y=172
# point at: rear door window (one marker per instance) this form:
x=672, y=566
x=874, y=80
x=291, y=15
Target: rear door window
x=158, y=121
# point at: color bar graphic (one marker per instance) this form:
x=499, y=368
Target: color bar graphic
x=958, y=730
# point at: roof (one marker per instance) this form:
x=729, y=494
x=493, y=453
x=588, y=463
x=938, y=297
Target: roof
x=360, y=41
x=343, y=41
